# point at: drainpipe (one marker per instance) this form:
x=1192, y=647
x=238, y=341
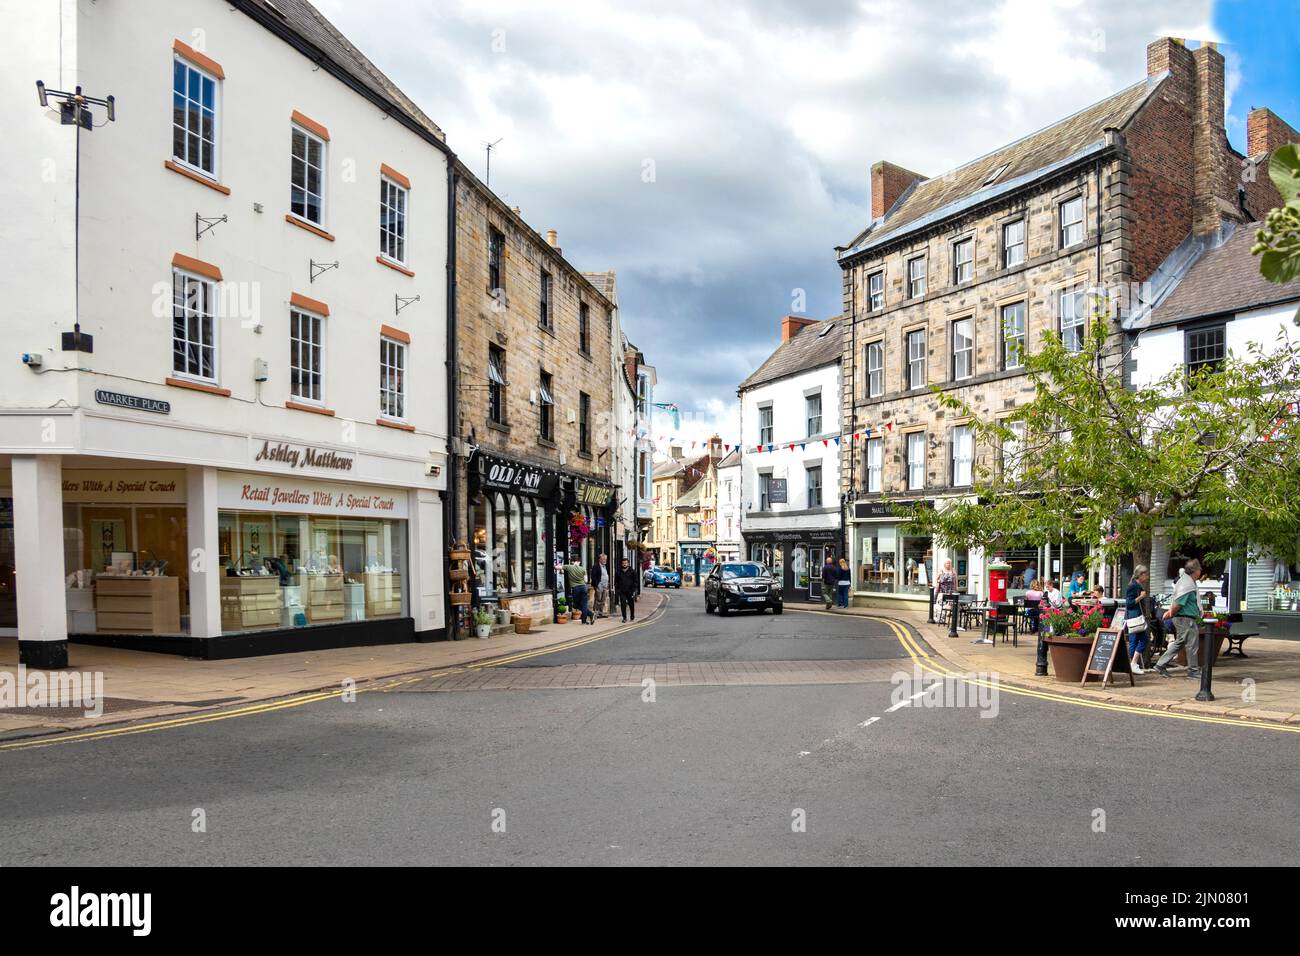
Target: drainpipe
x=450, y=503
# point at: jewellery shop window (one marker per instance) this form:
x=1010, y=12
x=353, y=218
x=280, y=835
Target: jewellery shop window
x=302, y=570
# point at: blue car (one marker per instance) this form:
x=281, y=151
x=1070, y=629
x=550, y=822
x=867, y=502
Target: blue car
x=665, y=578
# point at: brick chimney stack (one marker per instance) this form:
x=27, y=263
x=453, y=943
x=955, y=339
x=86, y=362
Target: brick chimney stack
x=1216, y=184
x=792, y=324
x=888, y=182
x=1266, y=131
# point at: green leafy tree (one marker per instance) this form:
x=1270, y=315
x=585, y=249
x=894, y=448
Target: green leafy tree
x=1214, y=455
x=1278, y=243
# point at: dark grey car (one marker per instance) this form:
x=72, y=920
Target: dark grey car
x=739, y=586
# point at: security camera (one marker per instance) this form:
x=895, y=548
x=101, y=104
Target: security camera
x=32, y=359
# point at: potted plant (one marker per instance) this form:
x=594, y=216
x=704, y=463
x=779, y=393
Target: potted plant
x=561, y=610
x=1068, y=636
x=503, y=615
x=523, y=623
x=483, y=623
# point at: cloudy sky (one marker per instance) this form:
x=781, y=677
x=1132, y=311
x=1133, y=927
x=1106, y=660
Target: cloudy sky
x=714, y=154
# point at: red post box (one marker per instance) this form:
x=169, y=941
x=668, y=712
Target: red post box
x=999, y=575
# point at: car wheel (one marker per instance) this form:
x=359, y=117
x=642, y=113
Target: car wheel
x=778, y=609
x=708, y=605
x=722, y=608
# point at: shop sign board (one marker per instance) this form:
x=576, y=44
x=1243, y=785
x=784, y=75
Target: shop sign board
x=776, y=491
x=502, y=474
x=124, y=485
x=291, y=456
x=589, y=493
x=239, y=492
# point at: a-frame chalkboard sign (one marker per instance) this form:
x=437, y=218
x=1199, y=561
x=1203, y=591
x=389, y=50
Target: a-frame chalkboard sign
x=1109, y=654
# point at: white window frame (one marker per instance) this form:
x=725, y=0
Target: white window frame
x=963, y=349
x=916, y=278
x=1071, y=227
x=876, y=291
x=1008, y=245
x=1021, y=336
x=963, y=456
x=914, y=360
x=390, y=188
x=769, y=428
x=875, y=465
x=808, y=471
x=764, y=490
x=875, y=369
x=1078, y=318
x=963, y=269
x=180, y=281
x=203, y=74
x=916, y=462
x=297, y=343
x=808, y=416
x=308, y=138
x=389, y=347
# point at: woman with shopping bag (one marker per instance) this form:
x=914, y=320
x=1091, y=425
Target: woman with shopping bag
x=1135, y=619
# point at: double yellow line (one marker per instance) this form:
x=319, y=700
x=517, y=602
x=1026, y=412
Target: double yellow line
x=267, y=707
x=928, y=663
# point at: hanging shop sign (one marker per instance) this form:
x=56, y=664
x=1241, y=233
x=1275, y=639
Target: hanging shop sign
x=238, y=492
x=590, y=493
x=776, y=491
x=120, y=485
x=502, y=474
x=134, y=402
x=303, y=456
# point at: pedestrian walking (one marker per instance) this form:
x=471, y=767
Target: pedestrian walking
x=830, y=579
x=1185, y=612
x=945, y=583
x=842, y=586
x=625, y=587
x=576, y=577
x=598, y=577
x=1135, y=619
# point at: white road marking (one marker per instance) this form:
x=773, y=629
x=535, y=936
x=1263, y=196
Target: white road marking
x=905, y=703
x=868, y=722
x=804, y=753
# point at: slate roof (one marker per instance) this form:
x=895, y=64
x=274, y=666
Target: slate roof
x=307, y=24
x=809, y=349
x=1224, y=279
x=1026, y=159
x=731, y=461
x=689, y=500
x=665, y=469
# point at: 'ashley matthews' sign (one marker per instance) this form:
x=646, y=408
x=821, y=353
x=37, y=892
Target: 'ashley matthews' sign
x=303, y=456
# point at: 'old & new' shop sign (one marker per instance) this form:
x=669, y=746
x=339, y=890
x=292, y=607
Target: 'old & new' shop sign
x=499, y=474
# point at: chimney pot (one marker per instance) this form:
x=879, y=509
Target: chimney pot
x=791, y=325
x=552, y=236
x=888, y=182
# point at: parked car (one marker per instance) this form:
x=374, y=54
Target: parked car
x=741, y=585
x=665, y=578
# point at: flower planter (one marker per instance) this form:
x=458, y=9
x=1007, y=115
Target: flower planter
x=503, y=616
x=575, y=617
x=1069, y=657
x=522, y=623
x=483, y=631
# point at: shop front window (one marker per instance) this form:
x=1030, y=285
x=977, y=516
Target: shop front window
x=510, y=540
x=917, y=566
x=281, y=571
x=128, y=568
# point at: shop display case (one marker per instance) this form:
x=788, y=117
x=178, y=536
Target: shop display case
x=136, y=604
x=322, y=596
x=250, y=602
x=383, y=593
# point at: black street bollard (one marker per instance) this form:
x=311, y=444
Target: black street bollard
x=1040, y=662
x=1207, y=666
x=930, y=619
x=954, y=603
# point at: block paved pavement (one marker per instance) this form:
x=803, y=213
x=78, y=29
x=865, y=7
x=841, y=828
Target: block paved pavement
x=1270, y=674
x=140, y=684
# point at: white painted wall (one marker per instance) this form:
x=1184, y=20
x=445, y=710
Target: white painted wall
x=730, y=515
x=789, y=427
x=136, y=215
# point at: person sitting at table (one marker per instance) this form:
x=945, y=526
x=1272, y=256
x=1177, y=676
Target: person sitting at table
x=1053, y=594
x=1033, y=608
x=1078, y=587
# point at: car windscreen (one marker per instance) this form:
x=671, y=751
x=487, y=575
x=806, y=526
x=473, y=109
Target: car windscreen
x=743, y=571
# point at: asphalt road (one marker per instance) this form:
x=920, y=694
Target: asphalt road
x=701, y=775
